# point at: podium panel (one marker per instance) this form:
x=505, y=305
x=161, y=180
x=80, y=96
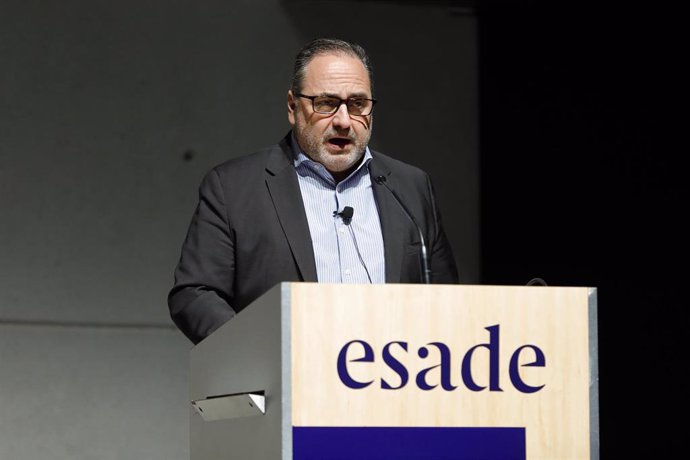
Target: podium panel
x=403, y=372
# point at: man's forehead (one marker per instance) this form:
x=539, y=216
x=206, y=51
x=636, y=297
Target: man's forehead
x=336, y=70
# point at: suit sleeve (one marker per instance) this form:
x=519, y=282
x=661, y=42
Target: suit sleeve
x=199, y=301
x=442, y=263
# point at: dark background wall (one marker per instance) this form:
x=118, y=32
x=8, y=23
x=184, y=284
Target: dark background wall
x=583, y=185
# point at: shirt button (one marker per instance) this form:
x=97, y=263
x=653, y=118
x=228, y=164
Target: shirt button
x=348, y=271
x=341, y=230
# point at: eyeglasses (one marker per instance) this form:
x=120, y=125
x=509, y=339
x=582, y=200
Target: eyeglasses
x=359, y=106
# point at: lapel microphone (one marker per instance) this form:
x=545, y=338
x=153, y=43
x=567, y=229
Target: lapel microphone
x=346, y=214
x=426, y=271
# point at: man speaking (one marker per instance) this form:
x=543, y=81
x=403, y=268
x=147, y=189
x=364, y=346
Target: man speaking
x=318, y=206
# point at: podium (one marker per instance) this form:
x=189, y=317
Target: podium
x=400, y=371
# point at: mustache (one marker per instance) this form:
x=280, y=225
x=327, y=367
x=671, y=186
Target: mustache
x=350, y=135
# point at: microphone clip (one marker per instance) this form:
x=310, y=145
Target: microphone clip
x=346, y=214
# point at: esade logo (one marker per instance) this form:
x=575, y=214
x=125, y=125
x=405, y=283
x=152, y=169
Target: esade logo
x=361, y=353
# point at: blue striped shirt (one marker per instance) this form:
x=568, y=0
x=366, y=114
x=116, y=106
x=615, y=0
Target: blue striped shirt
x=343, y=253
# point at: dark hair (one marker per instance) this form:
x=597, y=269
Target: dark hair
x=321, y=46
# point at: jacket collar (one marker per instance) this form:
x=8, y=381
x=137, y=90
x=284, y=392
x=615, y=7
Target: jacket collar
x=283, y=187
x=392, y=227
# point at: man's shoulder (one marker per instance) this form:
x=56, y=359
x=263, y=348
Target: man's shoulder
x=270, y=157
x=387, y=163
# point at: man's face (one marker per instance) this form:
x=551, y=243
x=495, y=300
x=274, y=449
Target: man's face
x=337, y=141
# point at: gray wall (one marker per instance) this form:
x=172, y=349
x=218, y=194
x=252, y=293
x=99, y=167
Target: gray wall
x=110, y=113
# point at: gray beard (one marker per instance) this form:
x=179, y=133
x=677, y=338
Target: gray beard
x=317, y=151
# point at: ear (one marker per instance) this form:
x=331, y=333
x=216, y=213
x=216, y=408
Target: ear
x=292, y=105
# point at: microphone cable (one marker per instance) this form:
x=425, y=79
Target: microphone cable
x=346, y=214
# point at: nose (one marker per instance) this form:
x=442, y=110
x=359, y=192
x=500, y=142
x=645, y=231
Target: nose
x=341, y=118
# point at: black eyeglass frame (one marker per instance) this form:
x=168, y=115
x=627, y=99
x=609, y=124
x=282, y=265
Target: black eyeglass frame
x=341, y=102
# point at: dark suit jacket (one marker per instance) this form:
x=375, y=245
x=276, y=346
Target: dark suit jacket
x=250, y=232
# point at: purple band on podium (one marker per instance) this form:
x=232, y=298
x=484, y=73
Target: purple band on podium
x=408, y=443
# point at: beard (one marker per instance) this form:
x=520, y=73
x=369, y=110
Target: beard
x=337, y=151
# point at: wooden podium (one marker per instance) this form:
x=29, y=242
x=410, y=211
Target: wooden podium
x=398, y=371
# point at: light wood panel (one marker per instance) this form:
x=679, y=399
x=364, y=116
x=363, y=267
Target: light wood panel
x=554, y=319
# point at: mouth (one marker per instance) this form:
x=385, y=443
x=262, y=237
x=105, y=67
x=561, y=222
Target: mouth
x=339, y=143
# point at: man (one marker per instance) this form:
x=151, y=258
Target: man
x=319, y=206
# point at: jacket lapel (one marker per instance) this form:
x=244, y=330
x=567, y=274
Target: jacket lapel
x=392, y=226
x=283, y=187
